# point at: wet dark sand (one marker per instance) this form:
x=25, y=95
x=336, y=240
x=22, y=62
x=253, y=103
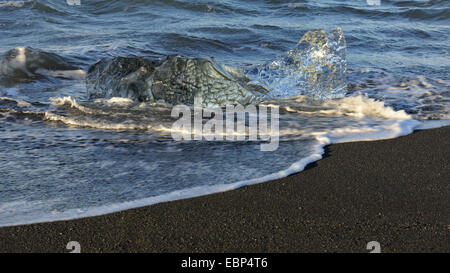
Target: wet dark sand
x=396, y=192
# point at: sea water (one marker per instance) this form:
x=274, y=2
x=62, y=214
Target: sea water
x=63, y=156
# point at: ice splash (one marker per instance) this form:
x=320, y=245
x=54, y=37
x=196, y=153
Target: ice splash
x=315, y=68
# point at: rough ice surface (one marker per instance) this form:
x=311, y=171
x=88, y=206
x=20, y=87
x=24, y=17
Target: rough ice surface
x=176, y=80
x=315, y=67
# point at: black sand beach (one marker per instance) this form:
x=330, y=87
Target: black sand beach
x=395, y=192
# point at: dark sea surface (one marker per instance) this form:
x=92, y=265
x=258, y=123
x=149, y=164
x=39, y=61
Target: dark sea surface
x=63, y=156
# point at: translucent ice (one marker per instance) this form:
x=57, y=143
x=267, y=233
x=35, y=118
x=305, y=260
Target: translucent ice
x=315, y=67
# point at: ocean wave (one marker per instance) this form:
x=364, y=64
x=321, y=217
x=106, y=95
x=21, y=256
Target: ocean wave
x=419, y=4
x=125, y=114
x=306, y=126
x=426, y=13
x=45, y=211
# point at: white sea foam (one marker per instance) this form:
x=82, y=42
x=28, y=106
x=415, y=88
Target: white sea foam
x=356, y=106
x=60, y=101
x=431, y=124
x=95, y=124
x=361, y=106
x=357, y=118
x=115, y=101
x=393, y=128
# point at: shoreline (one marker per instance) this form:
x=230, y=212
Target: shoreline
x=392, y=191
